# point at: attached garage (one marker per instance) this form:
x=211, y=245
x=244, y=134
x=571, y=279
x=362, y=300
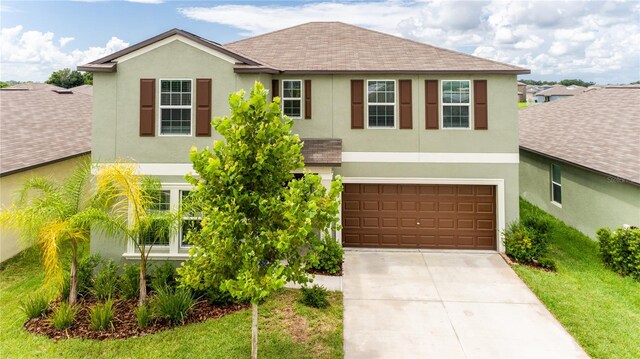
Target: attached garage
x=419, y=216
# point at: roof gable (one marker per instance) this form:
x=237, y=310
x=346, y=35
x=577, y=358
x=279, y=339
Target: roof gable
x=334, y=47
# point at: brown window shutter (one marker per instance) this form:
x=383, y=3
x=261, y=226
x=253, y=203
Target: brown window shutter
x=480, y=116
x=203, y=107
x=147, y=107
x=431, y=104
x=406, y=117
x=275, y=89
x=307, y=99
x=357, y=104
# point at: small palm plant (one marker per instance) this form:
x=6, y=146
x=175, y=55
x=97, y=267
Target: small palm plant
x=127, y=212
x=54, y=216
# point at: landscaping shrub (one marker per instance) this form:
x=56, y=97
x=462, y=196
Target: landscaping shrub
x=63, y=316
x=218, y=297
x=84, y=275
x=101, y=316
x=315, y=297
x=539, y=223
x=105, y=283
x=172, y=304
x=524, y=244
x=620, y=250
x=35, y=306
x=547, y=263
x=143, y=315
x=163, y=276
x=129, y=282
x=330, y=257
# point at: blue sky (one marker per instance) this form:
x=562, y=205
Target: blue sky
x=596, y=41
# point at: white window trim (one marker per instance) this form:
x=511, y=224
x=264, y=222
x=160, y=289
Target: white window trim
x=394, y=104
x=174, y=249
x=442, y=105
x=283, y=99
x=160, y=107
x=497, y=182
x=553, y=200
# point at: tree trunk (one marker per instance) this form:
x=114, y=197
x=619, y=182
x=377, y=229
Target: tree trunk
x=143, y=281
x=73, y=277
x=254, y=331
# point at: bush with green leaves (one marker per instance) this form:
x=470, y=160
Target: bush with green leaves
x=163, y=276
x=620, y=250
x=172, y=304
x=101, y=316
x=524, y=244
x=105, y=283
x=85, y=275
x=129, y=282
x=547, y=263
x=35, y=306
x=63, y=316
x=143, y=315
x=216, y=296
x=315, y=296
x=539, y=223
x=330, y=257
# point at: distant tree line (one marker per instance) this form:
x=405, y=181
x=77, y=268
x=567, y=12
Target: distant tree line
x=68, y=79
x=565, y=82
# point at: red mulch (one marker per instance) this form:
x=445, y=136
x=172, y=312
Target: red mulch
x=321, y=272
x=124, y=321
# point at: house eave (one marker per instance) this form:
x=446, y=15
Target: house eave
x=108, y=67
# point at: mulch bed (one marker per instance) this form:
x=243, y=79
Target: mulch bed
x=510, y=261
x=321, y=272
x=124, y=321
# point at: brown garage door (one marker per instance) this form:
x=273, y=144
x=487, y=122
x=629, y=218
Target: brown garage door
x=419, y=216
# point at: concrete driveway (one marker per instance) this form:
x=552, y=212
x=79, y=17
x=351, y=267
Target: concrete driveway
x=410, y=304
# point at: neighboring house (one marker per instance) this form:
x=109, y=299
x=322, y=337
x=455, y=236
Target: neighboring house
x=558, y=92
x=522, y=92
x=530, y=91
x=580, y=158
x=426, y=139
x=45, y=130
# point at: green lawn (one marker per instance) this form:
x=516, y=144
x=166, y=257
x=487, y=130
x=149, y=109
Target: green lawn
x=287, y=329
x=598, y=307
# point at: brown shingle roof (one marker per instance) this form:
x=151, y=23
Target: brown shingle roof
x=39, y=125
x=598, y=129
x=322, y=151
x=337, y=47
x=562, y=91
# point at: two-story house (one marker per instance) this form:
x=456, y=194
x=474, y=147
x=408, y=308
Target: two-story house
x=425, y=138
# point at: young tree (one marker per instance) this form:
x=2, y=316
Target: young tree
x=66, y=78
x=53, y=216
x=126, y=212
x=260, y=227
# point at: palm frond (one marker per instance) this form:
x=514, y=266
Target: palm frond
x=77, y=188
x=51, y=238
x=120, y=184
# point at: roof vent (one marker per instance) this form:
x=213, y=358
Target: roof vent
x=63, y=91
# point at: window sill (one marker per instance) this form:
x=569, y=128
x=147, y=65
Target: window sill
x=157, y=256
x=559, y=205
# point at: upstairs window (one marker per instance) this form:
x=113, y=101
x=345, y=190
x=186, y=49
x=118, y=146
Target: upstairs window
x=456, y=103
x=175, y=107
x=556, y=184
x=292, y=98
x=381, y=103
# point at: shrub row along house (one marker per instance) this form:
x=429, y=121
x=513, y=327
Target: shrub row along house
x=580, y=158
x=425, y=138
x=46, y=131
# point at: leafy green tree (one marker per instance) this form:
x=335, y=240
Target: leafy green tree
x=3, y=84
x=88, y=78
x=260, y=227
x=66, y=78
x=576, y=82
x=126, y=212
x=54, y=216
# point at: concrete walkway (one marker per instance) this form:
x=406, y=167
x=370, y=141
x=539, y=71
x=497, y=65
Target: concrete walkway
x=410, y=304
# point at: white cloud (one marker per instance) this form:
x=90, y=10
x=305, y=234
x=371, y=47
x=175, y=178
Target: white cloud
x=598, y=40
x=147, y=1
x=34, y=55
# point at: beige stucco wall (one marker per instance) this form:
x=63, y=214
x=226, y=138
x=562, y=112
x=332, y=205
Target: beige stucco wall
x=9, y=185
x=589, y=200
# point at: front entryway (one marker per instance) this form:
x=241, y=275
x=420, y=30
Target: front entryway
x=419, y=216
x=411, y=304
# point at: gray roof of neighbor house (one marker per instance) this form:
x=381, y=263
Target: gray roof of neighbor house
x=41, y=124
x=330, y=47
x=562, y=91
x=598, y=130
